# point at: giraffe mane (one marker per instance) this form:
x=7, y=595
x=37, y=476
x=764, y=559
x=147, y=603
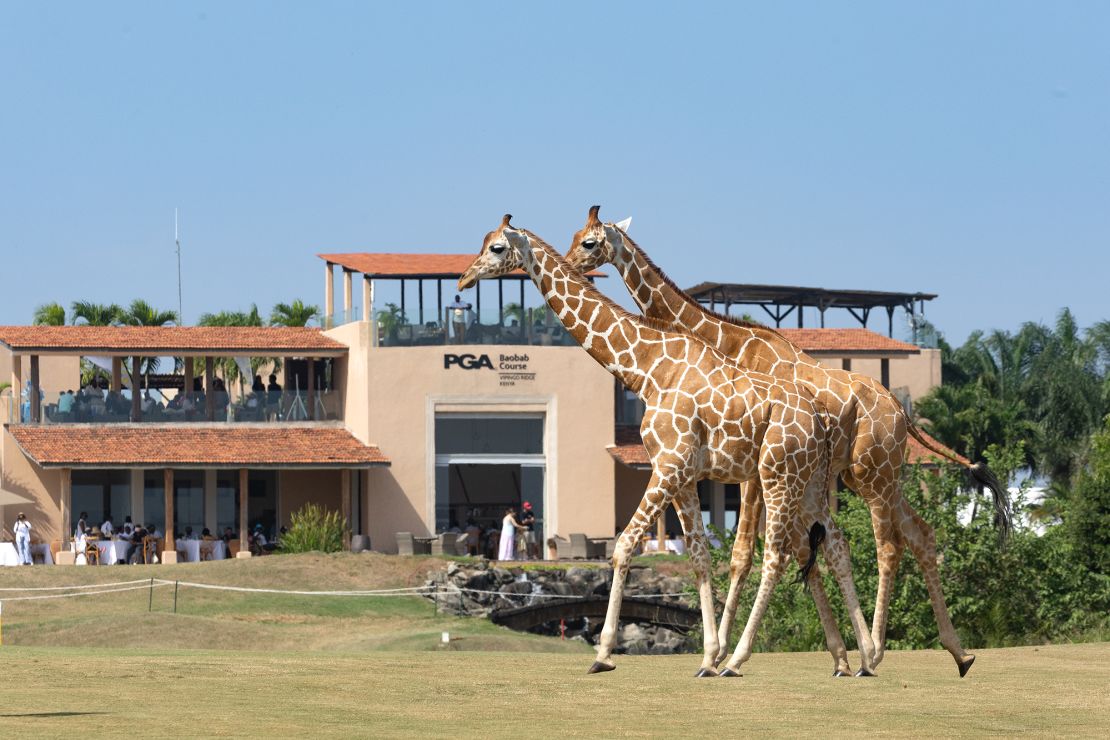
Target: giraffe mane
x=686, y=297
x=576, y=277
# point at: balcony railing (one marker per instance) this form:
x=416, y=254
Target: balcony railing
x=265, y=407
x=463, y=327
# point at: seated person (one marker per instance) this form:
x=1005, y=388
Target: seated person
x=206, y=535
x=147, y=403
x=106, y=528
x=127, y=528
x=65, y=402
x=189, y=535
x=228, y=535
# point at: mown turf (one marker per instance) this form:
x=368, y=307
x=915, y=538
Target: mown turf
x=1057, y=691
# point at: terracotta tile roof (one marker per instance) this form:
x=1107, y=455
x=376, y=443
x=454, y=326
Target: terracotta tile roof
x=846, y=340
x=189, y=445
x=170, y=339
x=396, y=265
x=629, y=450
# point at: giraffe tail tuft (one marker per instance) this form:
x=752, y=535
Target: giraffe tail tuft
x=1003, y=517
x=816, y=537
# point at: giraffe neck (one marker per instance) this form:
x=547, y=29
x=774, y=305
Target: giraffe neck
x=607, y=332
x=658, y=297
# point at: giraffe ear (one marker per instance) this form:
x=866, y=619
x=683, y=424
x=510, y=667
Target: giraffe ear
x=623, y=225
x=592, y=218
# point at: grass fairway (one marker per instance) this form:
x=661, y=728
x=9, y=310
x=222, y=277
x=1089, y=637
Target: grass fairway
x=1059, y=691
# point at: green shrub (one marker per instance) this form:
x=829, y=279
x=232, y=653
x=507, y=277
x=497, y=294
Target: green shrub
x=314, y=529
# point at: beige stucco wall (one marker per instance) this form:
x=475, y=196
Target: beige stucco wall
x=918, y=373
x=299, y=487
x=406, y=386
x=57, y=373
x=43, y=487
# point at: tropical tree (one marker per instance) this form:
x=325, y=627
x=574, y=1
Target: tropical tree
x=293, y=314
x=96, y=314
x=227, y=366
x=49, y=314
x=141, y=313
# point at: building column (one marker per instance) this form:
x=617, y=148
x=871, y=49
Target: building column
x=244, y=495
x=188, y=389
x=345, y=505
x=209, y=397
x=136, y=381
x=329, y=293
x=884, y=372
x=717, y=504
x=169, y=553
x=348, y=296
x=36, y=393
x=210, y=496
x=17, y=389
x=65, y=554
x=367, y=299
x=138, y=485
x=117, y=374
x=311, y=405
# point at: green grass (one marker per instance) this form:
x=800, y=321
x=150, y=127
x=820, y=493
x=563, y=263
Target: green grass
x=1057, y=691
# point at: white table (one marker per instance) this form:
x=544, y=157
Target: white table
x=191, y=548
x=111, y=552
x=9, y=556
x=678, y=547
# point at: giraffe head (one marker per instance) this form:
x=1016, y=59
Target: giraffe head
x=500, y=254
x=596, y=243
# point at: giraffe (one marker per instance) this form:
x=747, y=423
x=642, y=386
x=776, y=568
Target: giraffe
x=705, y=418
x=868, y=424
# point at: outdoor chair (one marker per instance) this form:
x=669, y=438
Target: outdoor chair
x=150, y=549
x=600, y=548
x=92, y=553
x=562, y=547
x=444, y=544
x=579, y=546
x=406, y=543
x=233, y=548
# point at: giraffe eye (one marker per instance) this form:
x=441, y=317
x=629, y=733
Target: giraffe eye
x=589, y=243
x=497, y=248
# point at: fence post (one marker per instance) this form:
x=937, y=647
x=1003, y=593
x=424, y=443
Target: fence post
x=175, y=597
x=435, y=596
x=150, y=600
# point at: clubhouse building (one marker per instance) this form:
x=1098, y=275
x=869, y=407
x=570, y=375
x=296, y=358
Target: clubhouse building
x=409, y=412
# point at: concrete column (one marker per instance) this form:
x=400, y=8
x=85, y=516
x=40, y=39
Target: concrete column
x=65, y=555
x=345, y=504
x=169, y=555
x=884, y=372
x=329, y=292
x=210, y=500
x=367, y=299
x=117, y=374
x=717, y=504
x=138, y=484
x=36, y=394
x=348, y=296
x=136, y=381
x=311, y=405
x=244, y=495
x=188, y=375
x=17, y=389
x=209, y=397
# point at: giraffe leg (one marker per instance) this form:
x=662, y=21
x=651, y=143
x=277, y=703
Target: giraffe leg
x=828, y=624
x=889, y=556
x=838, y=556
x=689, y=515
x=773, y=564
x=743, y=548
x=657, y=497
x=922, y=543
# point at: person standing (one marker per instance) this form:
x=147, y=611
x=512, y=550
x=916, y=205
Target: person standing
x=528, y=521
x=22, y=530
x=458, y=311
x=509, y=527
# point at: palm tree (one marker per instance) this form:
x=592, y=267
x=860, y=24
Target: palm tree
x=293, y=314
x=141, y=313
x=227, y=366
x=96, y=314
x=49, y=314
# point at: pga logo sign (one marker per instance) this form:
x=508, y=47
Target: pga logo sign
x=467, y=362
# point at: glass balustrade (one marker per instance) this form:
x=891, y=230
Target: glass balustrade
x=462, y=326
x=259, y=408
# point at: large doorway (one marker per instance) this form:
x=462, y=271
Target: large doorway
x=486, y=463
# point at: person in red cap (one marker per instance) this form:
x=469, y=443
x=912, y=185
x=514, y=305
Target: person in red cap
x=528, y=521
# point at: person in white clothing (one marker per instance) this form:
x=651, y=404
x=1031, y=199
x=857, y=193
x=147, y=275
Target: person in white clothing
x=23, y=539
x=106, y=528
x=509, y=527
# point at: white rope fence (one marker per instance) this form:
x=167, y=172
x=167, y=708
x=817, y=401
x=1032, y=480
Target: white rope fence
x=72, y=588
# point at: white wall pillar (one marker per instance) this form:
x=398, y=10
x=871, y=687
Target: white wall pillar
x=348, y=296
x=329, y=290
x=138, y=484
x=367, y=299
x=717, y=504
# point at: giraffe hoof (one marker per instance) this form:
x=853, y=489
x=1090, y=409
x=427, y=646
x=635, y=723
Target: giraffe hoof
x=729, y=673
x=841, y=674
x=864, y=673
x=706, y=673
x=965, y=664
x=599, y=667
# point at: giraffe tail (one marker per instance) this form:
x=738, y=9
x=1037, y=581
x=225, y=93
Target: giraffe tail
x=816, y=537
x=981, y=474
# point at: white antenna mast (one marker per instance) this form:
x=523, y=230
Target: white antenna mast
x=177, y=242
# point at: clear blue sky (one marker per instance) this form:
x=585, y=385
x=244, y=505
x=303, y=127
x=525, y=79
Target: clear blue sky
x=951, y=147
